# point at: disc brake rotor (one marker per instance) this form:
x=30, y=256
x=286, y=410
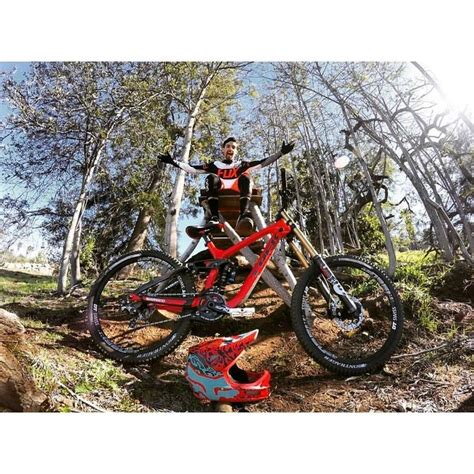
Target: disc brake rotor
x=347, y=322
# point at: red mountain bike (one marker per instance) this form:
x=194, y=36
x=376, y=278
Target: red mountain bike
x=345, y=312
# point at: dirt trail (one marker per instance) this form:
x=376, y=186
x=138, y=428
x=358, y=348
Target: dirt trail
x=77, y=377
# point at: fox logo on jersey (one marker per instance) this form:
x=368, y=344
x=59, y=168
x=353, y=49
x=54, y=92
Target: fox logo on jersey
x=227, y=173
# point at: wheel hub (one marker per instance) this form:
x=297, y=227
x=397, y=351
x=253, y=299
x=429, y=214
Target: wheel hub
x=345, y=320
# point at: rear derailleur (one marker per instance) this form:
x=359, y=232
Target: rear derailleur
x=139, y=312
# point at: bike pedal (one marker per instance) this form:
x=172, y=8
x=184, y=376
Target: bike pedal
x=241, y=312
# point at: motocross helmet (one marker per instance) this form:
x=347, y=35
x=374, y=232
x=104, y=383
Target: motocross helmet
x=213, y=374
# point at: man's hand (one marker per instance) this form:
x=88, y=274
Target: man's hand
x=286, y=148
x=166, y=159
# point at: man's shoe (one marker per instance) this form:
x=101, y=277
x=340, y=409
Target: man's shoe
x=214, y=220
x=244, y=223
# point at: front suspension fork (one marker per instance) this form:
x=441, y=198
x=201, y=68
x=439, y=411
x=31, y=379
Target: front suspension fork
x=331, y=279
x=328, y=278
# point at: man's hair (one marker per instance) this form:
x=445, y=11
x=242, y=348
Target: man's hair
x=227, y=140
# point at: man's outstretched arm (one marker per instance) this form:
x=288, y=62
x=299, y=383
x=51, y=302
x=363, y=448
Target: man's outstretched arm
x=197, y=169
x=257, y=164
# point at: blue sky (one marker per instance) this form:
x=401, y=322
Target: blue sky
x=20, y=69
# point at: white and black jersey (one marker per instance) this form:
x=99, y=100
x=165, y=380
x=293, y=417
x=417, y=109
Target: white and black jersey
x=228, y=170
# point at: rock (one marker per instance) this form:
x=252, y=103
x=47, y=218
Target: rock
x=223, y=407
x=17, y=389
x=457, y=283
x=11, y=329
x=462, y=313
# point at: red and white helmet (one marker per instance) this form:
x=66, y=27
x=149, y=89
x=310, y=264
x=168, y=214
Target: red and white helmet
x=213, y=374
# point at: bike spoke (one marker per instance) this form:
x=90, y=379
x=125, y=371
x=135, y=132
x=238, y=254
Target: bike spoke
x=336, y=330
x=133, y=326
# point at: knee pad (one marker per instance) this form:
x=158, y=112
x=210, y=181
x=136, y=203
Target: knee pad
x=245, y=185
x=213, y=184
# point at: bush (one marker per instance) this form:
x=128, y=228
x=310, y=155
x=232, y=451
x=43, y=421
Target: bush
x=88, y=264
x=371, y=236
x=418, y=275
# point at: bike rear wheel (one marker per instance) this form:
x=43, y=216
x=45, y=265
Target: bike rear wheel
x=138, y=332
x=342, y=342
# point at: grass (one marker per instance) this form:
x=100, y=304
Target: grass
x=54, y=366
x=81, y=373
x=99, y=375
x=416, y=275
x=16, y=285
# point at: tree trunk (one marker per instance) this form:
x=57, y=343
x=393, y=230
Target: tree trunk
x=269, y=195
x=378, y=208
x=410, y=169
x=69, y=242
x=171, y=228
x=331, y=233
x=140, y=231
x=73, y=232
x=333, y=220
x=76, y=254
x=442, y=173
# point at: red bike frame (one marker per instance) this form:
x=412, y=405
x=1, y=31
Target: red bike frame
x=278, y=231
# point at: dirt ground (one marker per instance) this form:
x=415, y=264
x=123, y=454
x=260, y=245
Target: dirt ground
x=428, y=373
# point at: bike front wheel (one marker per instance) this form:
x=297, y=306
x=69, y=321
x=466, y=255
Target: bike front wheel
x=341, y=340
x=138, y=332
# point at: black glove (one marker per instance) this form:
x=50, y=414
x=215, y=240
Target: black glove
x=286, y=148
x=166, y=159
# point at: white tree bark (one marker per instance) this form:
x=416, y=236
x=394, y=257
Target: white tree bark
x=410, y=169
x=378, y=208
x=72, y=233
x=73, y=236
x=171, y=227
x=76, y=254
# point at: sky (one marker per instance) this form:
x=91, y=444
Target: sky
x=33, y=239
x=455, y=78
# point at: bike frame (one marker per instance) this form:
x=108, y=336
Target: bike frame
x=278, y=231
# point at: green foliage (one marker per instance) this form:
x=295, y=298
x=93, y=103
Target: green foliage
x=102, y=375
x=407, y=239
x=417, y=301
x=50, y=370
x=370, y=233
x=417, y=276
x=15, y=285
x=87, y=254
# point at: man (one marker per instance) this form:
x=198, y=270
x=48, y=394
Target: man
x=229, y=174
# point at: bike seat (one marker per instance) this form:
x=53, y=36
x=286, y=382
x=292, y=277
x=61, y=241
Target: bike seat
x=199, y=230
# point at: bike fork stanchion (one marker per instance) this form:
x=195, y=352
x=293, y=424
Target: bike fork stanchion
x=278, y=257
x=268, y=278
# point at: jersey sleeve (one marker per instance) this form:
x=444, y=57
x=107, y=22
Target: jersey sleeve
x=192, y=169
x=258, y=164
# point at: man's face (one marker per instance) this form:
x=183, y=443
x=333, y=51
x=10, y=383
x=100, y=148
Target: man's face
x=229, y=150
